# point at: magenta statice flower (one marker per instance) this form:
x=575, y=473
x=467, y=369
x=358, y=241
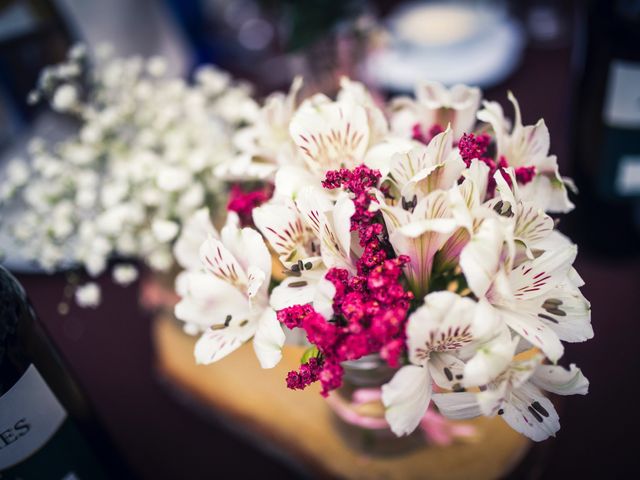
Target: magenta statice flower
x=243, y=202
x=418, y=134
x=370, y=308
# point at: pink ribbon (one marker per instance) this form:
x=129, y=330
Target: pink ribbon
x=436, y=428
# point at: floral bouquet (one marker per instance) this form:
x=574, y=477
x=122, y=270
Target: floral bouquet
x=141, y=161
x=419, y=232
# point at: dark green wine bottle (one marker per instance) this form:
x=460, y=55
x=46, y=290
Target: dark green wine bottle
x=48, y=429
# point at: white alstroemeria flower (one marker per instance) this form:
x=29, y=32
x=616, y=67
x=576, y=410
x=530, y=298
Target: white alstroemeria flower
x=436, y=105
x=290, y=179
x=231, y=297
x=266, y=144
x=283, y=227
x=195, y=231
x=305, y=284
x=537, y=299
x=379, y=155
x=422, y=170
x=435, y=333
x=331, y=135
x=297, y=246
x=356, y=92
x=516, y=395
x=420, y=234
x=331, y=223
x=531, y=225
x=525, y=146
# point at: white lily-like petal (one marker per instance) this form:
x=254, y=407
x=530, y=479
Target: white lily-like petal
x=515, y=375
x=457, y=405
x=220, y=262
x=539, y=276
x=406, y=398
x=539, y=422
x=435, y=331
x=194, y=232
x=566, y=312
x=380, y=156
x=429, y=228
x=301, y=288
x=443, y=323
x=207, y=300
x=356, y=92
x=406, y=165
x=229, y=296
x=528, y=146
x=289, y=179
x=248, y=247
x=531, y=224
x=490, y=359
x=313, y=203
x=480, y=258
x=323, y=297
x=269, y=339
x=284, y=229
x=444, y=168
x=255, y=280
x=557, y=379
x=535, y=331
x=331, y=134
x=265, y=143
x=447, y=370
x=436, y=104
x=477, y=178
x=331, y=223
x=217, y=343
x=549, y=191
x=341, y=215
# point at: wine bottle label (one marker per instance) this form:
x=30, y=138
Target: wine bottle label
x=29, y=416
x=622, y=101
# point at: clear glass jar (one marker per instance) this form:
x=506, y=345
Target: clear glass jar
x=359, y=413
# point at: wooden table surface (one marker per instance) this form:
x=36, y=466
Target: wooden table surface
x=300, y=424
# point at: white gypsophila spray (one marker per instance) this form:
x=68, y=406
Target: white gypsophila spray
x=141, y=161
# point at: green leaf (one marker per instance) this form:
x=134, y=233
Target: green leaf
x=309, y=353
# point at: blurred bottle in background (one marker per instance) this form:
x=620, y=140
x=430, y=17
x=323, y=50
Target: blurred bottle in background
x=606, y=141
x=48, y=429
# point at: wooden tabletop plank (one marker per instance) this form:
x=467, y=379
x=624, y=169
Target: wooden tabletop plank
x=301, y=425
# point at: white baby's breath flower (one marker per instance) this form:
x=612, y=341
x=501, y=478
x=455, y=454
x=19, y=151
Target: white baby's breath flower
x=65, y=98
x=125, y=274
x=172, y=179
x=88, y=295
x=160, y=260
x=165, y=230
x=91, y=134
x=17, y=172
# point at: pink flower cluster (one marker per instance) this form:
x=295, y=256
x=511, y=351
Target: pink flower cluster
x=243, y=202
x=359, y=182
x=418, y=134
x=309, y=373
x=370, y=308
x=472, y=146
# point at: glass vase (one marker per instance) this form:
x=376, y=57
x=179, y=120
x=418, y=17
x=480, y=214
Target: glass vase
x=359, y=412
